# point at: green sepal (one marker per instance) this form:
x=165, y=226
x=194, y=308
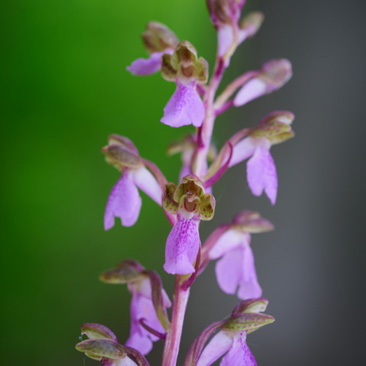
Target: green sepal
x=252, y=222
x=190, y=186
x=247, y=321
x=158, y=300
x=123, y=141
x=168, y=70
x=251, y=306
x=282, y=137
x=125, y=272
x=184, y=65
x=169, y=203
x=95, y=330
x=202, y=71
x=158, y=37
x=252, y=22
x=269, y=130
x=207, y=207
x=101, y=348
x=119, y=157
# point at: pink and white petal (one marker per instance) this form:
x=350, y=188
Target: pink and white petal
x=225, y=39
x=239, y=354
x=185, y=107
x=253, y=89
x=140, y=343
x=243, y=150
x=229, y=271
x=261, y=173
x=126, y=362
x=182, y=246
x=124, y=202
x=249, y=287
x=218, y=345
x=148, y=184
x=143, y=66
x=227, y=241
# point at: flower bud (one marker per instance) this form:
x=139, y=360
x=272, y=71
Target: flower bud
x=157, y=38
x=223, y=12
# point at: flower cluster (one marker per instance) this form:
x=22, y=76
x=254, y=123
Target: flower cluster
x=190, y=200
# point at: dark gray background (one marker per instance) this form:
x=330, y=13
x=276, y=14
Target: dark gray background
x=311, y=267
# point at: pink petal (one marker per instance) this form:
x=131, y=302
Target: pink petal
x=229, y=271
x=124, y=202
x=140, y=338
x=248, y=287
x=242, y=150
x=218, y=345
x=182, y=246
x=148, y=184
x=125, y=362
x=143, y=66
x=184, y=107
x=225, y=39
x=261, y=173
x=239, y=354
x=226, y=242
x=253, y=89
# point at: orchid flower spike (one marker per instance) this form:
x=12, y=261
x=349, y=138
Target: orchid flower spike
x=158, y=39
x=273, y=76
x=261, y=170
x=187, y=70
x=186, y=147
x=236, y=267
x=191, y=204
x=148, y=304
x=102, y=345
x=124, y=200
x=230, y=341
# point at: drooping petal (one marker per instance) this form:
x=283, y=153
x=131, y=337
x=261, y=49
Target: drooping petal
x=140, y=338
x=226, y=242
x=218, y=345
x=182, y=246
x=261, y=173
x=143, y=66
x=242, y=150
x=248, y=287
x=253, y=89
x=184, y=107
x=229, y=271
x=239, y=354
x=124, y=202
x=148, y=184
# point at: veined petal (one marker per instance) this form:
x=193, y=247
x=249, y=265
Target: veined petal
x=243, y=150
x=184, y=107
x=229, y=271
x=218, y=345
x=124, y=202
x=248, y=287
x=261, y=173
x=148, y=184
x=182, y=246
x=143, y=66
x=239, y=354
x=253, y=89
x=226, y=242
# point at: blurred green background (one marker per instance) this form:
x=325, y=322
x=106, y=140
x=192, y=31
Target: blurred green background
x=65, y=89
